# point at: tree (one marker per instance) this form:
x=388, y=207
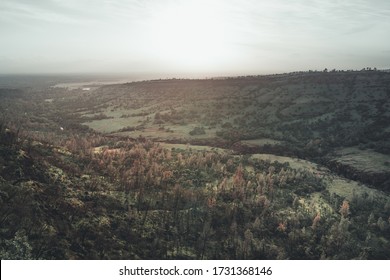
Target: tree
x=17, y=248
x=344, y=209
x=316, y=221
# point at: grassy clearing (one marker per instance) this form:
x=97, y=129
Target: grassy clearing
x=335, y=184
x=294, y=163
x=363, y=160
x=349, y=188
x=192, y=147
x=112, y=125
x=261, y=142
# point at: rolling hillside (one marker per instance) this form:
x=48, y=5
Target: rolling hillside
x=292, y=166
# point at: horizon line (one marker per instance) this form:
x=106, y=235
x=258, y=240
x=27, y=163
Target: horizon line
x=183, y=76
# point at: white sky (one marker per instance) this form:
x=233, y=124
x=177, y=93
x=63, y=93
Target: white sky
x=180, y=37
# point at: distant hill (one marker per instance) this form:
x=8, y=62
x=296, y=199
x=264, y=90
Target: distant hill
x=308, y=115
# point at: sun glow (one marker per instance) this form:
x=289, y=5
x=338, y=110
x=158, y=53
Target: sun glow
x=191, y=35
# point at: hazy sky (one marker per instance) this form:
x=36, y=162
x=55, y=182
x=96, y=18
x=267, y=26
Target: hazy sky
x=203, y=36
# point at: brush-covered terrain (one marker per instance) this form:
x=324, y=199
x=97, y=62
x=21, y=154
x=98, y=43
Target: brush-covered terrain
x=293, y=166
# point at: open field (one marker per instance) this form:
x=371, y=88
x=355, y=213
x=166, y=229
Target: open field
x=363, y=160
